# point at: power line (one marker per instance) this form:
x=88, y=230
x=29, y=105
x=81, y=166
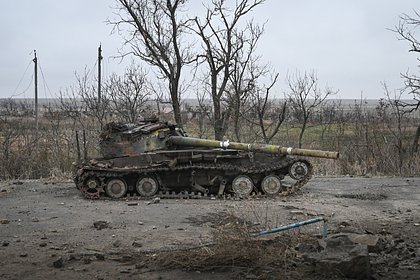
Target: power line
x=45, y=82
x=20, y=81
x=30, y=83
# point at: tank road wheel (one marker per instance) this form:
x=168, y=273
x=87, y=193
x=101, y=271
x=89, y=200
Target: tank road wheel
x=147, y=186
x=271, y=185
x=116, y=188
x=91, y=188
x=242, y=185
x=299, y=170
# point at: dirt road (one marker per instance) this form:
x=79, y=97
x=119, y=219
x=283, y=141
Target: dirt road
x=48, y=231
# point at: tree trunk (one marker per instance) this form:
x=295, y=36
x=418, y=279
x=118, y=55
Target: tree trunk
x=175, y=103
x=218, y=121
x=415, y=146
x=301, y=134
x=177, y=113
x=236, y=121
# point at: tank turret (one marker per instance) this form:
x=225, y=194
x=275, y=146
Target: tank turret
x=119, y=140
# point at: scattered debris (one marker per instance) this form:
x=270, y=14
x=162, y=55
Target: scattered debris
x=371, y=241
x=342, y=256
x=313, y=213
x=363, y=196
x=294, y=225
x=137, y=244
x=4, y=221
x=345, y=224
x=35, y=219
x=5, y=243
x=154, y=201
x=99, y=256
x=43, y=244
x=297, y=212
x=58, y=263
x=74, y=257
x=117, y=243
x=101, y=225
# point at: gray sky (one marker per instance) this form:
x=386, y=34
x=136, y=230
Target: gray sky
x=346, y=42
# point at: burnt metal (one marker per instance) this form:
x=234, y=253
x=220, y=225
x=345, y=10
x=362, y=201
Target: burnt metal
x=150, y=158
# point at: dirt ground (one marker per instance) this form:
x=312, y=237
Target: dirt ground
x=48, y=231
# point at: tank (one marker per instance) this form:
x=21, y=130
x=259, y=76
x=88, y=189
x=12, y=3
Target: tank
x=152, y=158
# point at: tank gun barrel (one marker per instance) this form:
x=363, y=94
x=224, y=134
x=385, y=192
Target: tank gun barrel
x=261, y=148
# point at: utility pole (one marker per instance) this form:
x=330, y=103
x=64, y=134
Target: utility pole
x=35, y=60
x=99, y=74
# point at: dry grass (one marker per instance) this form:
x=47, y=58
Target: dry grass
x=233, y=249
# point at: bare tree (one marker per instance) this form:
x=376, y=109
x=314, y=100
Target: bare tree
x=222, y=39
x=58, y=138
x=18, y=140
x=129, y=93
x=335, y=120
x=246, y=71
x=86, y=91
x=406, y=31
x=154, y=34
x=159, y=96
x=393, y=117
x=71, y=106
x=270, y=116
x=80, y=104
x=304, y=97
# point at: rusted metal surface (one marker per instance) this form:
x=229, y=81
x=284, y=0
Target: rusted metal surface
x=169, y=186
x=118, y=140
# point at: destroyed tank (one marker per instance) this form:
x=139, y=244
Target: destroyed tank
x=155, y=159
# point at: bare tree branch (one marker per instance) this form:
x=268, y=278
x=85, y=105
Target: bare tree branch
x=154, y=34
x=304, y=97
x=129, y=93
x=222, y=40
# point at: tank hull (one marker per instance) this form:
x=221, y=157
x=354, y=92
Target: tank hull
x=209, y=172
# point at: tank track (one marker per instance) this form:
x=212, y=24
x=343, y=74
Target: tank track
x=107, y=173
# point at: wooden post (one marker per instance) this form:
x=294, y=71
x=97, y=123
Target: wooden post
x=78, y=147
x=35, y=60
x=84, y=146
x=99, y=75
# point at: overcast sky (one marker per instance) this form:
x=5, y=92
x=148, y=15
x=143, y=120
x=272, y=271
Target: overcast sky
x=346, y=42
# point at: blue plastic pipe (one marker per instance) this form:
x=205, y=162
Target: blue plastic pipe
x=294, y=225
